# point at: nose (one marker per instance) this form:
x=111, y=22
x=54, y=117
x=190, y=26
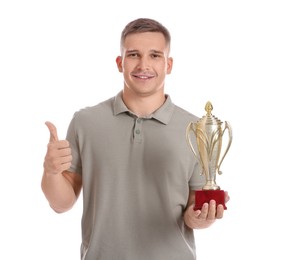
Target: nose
x=143, y=63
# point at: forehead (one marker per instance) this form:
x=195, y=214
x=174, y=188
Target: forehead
x=145, y=40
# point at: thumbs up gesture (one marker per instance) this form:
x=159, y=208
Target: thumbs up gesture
x=58, y=157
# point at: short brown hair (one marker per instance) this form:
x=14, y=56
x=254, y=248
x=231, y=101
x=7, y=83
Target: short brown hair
x=145, y=25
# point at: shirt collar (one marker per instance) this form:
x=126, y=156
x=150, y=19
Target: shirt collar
x=119, y=105
x=162, y=114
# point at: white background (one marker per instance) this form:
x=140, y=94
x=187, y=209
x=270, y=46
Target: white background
x=59, y=56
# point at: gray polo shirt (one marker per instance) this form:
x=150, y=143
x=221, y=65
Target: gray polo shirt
x=136, y=178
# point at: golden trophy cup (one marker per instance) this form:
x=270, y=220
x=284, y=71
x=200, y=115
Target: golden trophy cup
x=206, y=136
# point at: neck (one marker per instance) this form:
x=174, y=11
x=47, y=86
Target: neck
x=142, y=105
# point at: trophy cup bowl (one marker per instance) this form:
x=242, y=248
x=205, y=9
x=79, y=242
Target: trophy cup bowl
x=207, y=138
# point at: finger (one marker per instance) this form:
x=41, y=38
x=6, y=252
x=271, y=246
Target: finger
x=204, y=211
x=53, y=132
x=196, y=213
x=220, y=211
x=64, y=150
x=65, y=166
x=212, y=210
x=66, y=159
x=227, y=197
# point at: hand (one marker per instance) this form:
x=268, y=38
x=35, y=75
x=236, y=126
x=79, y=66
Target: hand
x=58, y=157
x=205, y=217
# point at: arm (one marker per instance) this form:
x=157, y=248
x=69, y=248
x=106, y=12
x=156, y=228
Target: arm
x=206, y=216
x=60, y=186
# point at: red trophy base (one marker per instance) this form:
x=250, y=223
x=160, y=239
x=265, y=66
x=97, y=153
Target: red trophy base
x=204, y=196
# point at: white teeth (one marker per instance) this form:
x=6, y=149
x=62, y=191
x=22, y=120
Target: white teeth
x=143, y=77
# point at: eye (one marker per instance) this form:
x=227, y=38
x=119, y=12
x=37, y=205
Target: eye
x=155, y=55
x=133, y=54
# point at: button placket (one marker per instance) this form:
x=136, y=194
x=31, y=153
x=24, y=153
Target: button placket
x=138, y=129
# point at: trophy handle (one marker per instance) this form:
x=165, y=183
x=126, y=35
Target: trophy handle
x=227, y=126
x=190, y=128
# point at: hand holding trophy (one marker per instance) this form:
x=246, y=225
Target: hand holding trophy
x=208, y=135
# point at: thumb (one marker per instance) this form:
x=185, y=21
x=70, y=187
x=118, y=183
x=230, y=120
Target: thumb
x=53, y=132
x=196, y=213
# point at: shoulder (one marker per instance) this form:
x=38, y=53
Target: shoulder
x=88, y=117
x=182, y=114
x=100, y=109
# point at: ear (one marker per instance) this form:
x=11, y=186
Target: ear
x=119, y=63
x=169, y=65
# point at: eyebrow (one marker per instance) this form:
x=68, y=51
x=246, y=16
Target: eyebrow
x=152, y=51
x=157, y=52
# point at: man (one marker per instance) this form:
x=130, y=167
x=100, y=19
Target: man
x=130, y=156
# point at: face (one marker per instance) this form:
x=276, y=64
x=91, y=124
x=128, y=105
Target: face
x=144, y=63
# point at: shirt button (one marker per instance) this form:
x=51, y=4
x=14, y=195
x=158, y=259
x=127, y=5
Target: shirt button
x=138, y=131
x=139, y=120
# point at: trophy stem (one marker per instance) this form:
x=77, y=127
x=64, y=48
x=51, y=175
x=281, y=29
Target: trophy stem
x=211, y=185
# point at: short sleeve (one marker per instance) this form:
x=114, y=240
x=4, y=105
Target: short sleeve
x=72, y=138
x=197, y=180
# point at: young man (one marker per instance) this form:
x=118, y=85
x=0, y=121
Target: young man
x=130, y=156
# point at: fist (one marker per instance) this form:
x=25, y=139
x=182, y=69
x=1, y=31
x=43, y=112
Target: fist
x=58, y=157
